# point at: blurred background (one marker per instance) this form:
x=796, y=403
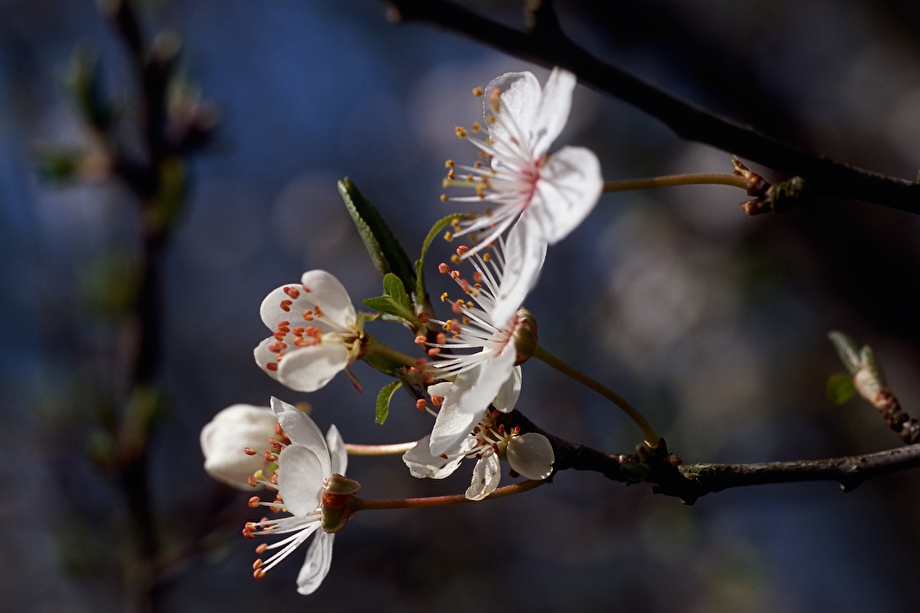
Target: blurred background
x=712, y=323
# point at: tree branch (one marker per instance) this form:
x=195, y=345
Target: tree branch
x=549, y=47
x=689, y=482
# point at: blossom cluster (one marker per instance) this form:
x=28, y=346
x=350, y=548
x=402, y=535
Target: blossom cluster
x=471, y=370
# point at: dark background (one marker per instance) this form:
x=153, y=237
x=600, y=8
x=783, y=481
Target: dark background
x=712, y=323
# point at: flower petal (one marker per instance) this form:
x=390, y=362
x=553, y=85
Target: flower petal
x=472, y=392
x=303, y=431
x=508, y=395
x=225, y=437
x=520, y=98
x=264, y=357
x=330, y=295
x=553, y=111
x=486, y=476
x=337, y=453
x=422, y=464
x=300, y=479
x=316, y=566
x=307, y=369
x=525, y=251
x=317, y=288
x=531, y=455
x=569, y=187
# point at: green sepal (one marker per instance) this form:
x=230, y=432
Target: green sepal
x=395, y=300
x=432, y=234
x=840, y=388
x=386, y=252
x=385, y=365
x=848, y=350
x=383, y=400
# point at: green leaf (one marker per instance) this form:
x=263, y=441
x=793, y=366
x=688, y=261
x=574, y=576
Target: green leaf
x=435, y=231
x=395, y=289
x=395, y=301
x=383, y=400
x=840, y=388
x=386, y=252
x=385, y=365
x=848, y=350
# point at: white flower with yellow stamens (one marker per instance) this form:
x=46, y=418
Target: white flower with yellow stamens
x=548, y=195
x=307, y=463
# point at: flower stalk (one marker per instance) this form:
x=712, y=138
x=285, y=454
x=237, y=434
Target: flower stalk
x=362, y=504
x=651, y=436
x=675, y=180
x=379, y=450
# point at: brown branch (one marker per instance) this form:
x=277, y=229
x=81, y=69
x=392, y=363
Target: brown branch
x=548, y=46
x=689, y=482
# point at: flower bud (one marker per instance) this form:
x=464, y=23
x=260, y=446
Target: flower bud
x=225, y=438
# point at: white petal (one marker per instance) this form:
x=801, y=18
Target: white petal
x=569, y=187
x=306, y=369
x=264, y=357
x=325, y=291
x=531, y=455
x=224, y=438
x=316, y=566
x=525, y=251
x=337, y=453
x=467, y=398
x=508, y=395
x=439, y=389
x=330, y=295
x=486, y=476
x=520, y=98
x=553, y=112
x=300, y=479
x=424, y=465
x=302, y=431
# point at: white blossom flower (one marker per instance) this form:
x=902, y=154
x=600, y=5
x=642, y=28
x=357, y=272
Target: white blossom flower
x=530, y=455
x=226, y=437
x=305, y=466
x=547, y=194
x=488, y=373
x=316, y=334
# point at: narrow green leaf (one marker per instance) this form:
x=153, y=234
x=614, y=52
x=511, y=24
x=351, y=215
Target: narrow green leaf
x=386, y=252
x=383, y=400
x=432, y=234
x=840, y=388
x=848, y=350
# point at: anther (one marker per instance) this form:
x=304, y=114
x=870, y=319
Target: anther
x=443, y=299
x=476, y=127
x=444, y=198
x=273, y=366
x=286, y=305
x=443, y=268
x=423, y=318
x=420, y=404
x=254, y=502
x=250, y=451
x=449, y=164
x=461, y=132
x=477, y=91
x=257, y=564
x=258, y=573
x=261, y=548
x=292, y=292
x=420, y=340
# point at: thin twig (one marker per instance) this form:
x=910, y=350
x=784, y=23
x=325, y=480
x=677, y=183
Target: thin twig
x=550, y=47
